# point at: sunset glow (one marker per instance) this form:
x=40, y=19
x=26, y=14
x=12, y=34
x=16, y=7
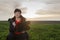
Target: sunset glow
x=32, y=9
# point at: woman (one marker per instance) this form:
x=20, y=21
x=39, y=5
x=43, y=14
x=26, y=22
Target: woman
x=18, y=27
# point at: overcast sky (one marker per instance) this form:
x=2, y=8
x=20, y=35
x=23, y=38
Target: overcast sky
x=31, y=9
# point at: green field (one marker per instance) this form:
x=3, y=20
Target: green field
x=37, y=31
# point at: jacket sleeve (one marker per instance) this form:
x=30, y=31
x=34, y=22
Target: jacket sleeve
x=11, y=29
x=27, y=25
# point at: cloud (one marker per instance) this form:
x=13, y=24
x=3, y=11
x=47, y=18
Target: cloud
x=40, y=7
x=43, y=12
x=7, y=8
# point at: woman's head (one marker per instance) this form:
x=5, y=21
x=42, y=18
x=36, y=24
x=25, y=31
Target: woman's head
x=17, y=12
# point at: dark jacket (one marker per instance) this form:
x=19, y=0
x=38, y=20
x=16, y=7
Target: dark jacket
x=22, y=26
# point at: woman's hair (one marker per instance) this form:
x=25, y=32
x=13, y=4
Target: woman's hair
x=17, y=10
x=23, y=18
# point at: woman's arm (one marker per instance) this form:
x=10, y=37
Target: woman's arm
x=11, y=29
x=27, y=25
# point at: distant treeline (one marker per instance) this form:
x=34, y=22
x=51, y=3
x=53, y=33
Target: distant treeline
x=42, y=22
x=46, y=22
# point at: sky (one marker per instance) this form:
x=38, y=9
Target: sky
x=33, y=10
